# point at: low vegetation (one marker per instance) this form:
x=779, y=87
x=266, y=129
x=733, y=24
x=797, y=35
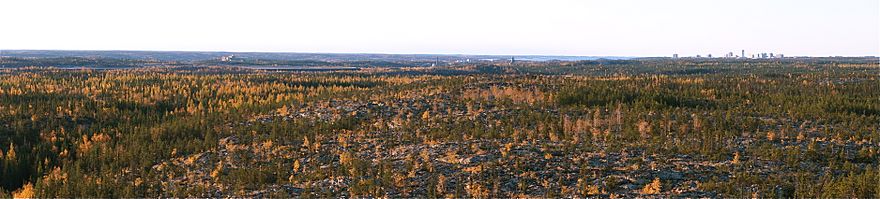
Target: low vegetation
x=801, y=128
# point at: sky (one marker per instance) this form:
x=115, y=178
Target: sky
x=492, y=27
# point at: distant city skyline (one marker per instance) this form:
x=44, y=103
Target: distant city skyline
x=635, y=28
x=741, y=55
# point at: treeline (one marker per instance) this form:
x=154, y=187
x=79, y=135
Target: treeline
x=301, y=63
x=67, y=62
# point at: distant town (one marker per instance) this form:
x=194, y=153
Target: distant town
x=742, y=55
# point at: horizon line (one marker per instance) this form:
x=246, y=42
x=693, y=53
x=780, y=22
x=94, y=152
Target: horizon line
x=417, y=53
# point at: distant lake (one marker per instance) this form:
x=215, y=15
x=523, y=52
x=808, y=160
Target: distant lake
x=566, y=58
x=300, y=68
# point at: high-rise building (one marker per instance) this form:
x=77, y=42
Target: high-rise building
x=227, y=58
x=675, y=56
x=744, y=53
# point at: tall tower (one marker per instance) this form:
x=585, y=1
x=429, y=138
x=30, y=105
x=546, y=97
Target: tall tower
x=744, y=53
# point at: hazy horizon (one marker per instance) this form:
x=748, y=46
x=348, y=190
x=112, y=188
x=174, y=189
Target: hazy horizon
x=551, y=28
x=443, y=54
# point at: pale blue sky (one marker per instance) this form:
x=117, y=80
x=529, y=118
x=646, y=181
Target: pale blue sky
x=547, y=27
